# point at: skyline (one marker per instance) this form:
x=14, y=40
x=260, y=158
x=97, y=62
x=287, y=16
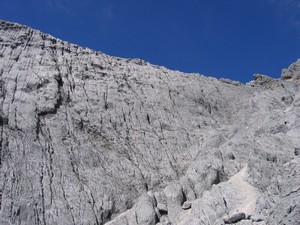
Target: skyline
x=232, y=39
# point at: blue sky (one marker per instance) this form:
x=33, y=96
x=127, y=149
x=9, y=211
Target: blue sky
x=221, y=38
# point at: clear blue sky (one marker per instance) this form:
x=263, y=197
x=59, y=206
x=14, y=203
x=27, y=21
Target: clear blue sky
x=221, y=38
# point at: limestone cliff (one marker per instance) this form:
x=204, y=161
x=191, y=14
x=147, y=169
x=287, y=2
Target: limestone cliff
x=88, y=138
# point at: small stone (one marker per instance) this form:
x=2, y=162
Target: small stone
x=186, y=205
x=235, y=217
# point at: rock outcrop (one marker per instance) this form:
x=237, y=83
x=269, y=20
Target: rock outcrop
x=88, y=138
x=292, y=73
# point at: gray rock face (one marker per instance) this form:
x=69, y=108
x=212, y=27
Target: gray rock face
x=91, y=139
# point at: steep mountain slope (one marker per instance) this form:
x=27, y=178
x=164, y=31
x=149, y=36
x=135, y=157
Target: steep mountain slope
x=91, y=139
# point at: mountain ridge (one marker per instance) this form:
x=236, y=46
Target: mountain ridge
x=86, y=137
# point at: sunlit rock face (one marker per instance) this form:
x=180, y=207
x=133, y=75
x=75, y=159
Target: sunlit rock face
x=87, y=138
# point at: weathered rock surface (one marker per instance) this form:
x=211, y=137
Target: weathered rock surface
x=91, y=139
